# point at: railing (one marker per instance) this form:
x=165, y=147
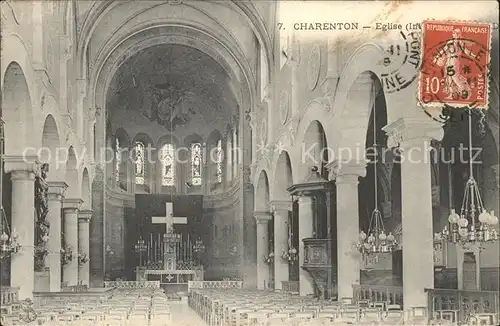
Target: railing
x=290, y=286
x=214, y=285
x=10, y=295
x=132, y=284
x=464, y=303
x=379, y=293
x=75, y=288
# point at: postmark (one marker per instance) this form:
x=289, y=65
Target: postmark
x=403, y=62
x=455, y=65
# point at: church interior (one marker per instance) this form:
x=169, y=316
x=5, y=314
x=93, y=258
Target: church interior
x=183, y=162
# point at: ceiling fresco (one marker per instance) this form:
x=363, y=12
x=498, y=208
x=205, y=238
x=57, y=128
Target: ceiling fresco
x=172, y=85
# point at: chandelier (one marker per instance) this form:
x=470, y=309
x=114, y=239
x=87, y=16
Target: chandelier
x=140, y=246
x=8, y=240
x=199, y=246
x=474, y=225
x=376, y=240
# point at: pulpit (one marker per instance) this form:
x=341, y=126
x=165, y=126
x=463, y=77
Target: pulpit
x=317, y=264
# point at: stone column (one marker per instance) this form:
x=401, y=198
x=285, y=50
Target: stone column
x=70, y=209
x=348, y=260
x=413, y=137
x=23, y=223
x=84, y=217
x=306, y=212
x=55, y=198
x=262, y=220
x=281, y=209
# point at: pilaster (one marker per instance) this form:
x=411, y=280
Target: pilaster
x=306, y=212
x=70, y=209
x=55, y=196
x=262, y=219
x=84, y=217
x=281, y=208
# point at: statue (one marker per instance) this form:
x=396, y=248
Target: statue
x=41, y=202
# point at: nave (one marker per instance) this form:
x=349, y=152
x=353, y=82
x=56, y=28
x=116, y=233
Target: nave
x=126, y=306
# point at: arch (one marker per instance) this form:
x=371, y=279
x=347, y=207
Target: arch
x=351, y=103
x=176, y=32
x=167, y=139
x=143, y=138
x=17, y=111
x=123, y=138
x=71, y=176
x=51, y=145
x=262, y=197
x=316, y=112
x=86, y=194
x=193, y=138
x=98, y=9
x=282, y=177
x=314, y=149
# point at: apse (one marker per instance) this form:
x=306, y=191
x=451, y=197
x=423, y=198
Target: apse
x=171, y=89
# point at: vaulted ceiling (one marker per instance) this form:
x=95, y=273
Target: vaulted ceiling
x=173, y=86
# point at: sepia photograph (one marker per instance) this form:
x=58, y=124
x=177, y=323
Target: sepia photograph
x=249, y=162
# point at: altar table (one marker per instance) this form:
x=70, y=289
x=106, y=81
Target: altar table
x=170, y=280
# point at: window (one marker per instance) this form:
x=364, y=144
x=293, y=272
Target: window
x=167, y=165
x=139, y=163
x=118, y=160
x=219, y=161
x=196, y=164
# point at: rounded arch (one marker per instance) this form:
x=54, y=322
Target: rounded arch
x=143, y=138
x=71, y=175
x=314, y=149
x=352, y=101
x=167, y=139
x=123, y=138
x=16, y=111
x=98, y=9
x=193, y=138
x=86, y=194
x=262, y=197
x=282, y=177
x=214, y=137
x=51, y=144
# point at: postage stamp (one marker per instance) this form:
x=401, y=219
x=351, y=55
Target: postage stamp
x=455, y=66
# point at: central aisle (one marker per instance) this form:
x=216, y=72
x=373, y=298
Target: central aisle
x=183, y=315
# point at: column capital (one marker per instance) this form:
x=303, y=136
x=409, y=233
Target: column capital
x=406, y=132
x=262, y=217
x=305, y=200
x=57, y=190
x=346, y=171
x=84, y=215
x=281, y=205
x=72, y=203
x=24, y=163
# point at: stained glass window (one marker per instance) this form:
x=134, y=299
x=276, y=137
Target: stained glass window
x=168, y=165
x=118, y=160
x=139, y=163
x=196, y=164
x=219, y=161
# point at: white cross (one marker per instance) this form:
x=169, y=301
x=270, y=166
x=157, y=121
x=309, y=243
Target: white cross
x=169, y=220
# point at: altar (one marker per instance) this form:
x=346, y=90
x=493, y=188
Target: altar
x=171, y=265
x=170, y=280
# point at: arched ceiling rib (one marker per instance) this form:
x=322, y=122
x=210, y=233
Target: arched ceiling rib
x=100, y=9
